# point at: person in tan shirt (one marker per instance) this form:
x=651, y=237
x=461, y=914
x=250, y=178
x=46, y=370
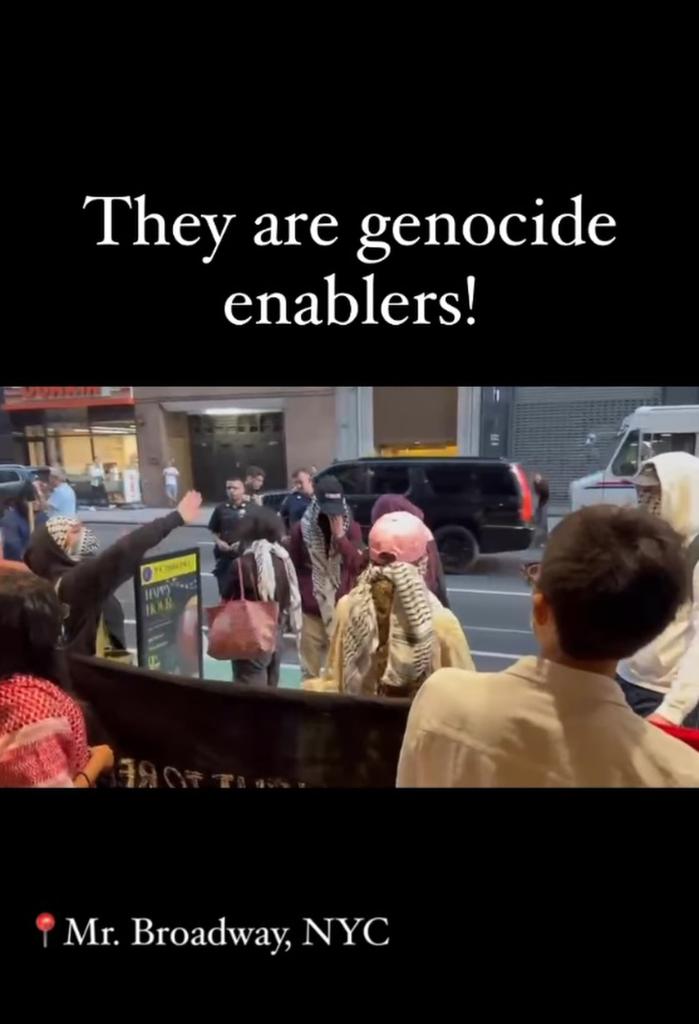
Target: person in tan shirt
x=610, y=581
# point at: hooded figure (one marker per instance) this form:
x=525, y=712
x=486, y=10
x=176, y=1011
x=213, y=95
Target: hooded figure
x=390, y=632
x=64, y=553
x=662, y=679
x=434, y=574
x=326, y=549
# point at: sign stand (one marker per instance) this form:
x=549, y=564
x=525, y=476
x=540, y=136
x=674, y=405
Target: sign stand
x=169, y=613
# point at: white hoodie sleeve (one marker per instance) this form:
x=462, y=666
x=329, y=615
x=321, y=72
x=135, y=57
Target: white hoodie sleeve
x=683, y=695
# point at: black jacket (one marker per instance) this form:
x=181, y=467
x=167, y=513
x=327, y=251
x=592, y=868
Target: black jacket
x=86, y=585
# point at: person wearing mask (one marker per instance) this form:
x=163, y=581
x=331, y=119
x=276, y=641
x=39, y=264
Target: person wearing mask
x=295, y=504
x=541, y=523
x=64, y=552
x=268, y=575
x=662, y=679
x=390, y=632
x=434, y=574
x=254, y=482
x=224, y=523
x=61, y=499
x=43, y=739
x=326, y=549
x=611, y=580
x=171, y=475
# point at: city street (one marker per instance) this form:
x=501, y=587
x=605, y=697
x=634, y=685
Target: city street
x=491, y=602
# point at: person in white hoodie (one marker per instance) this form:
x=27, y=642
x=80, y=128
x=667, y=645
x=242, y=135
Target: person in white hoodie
x=661, y=681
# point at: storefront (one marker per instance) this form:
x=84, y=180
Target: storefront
x=76, y=427
x=214, y=433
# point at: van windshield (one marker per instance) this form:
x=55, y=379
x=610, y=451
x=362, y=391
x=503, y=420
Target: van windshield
x=626, y=460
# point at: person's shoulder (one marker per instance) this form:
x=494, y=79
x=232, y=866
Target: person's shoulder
x=681, y=760
x=452, y=699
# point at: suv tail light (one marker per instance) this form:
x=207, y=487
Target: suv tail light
x=527, y=507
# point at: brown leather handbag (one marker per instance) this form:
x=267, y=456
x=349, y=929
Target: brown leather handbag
x=242, y=630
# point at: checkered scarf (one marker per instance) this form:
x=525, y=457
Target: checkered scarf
x=60, y=526
x=326, y=569
x=262, y=552
x=410, y=658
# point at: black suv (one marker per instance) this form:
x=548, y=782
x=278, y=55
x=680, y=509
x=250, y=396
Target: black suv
x=472, y=506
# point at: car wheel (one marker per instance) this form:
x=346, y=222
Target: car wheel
x=458, y=548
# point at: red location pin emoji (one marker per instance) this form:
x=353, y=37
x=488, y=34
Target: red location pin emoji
x=45, y=922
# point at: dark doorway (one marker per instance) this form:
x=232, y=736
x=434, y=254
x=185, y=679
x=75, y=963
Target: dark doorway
x=224, y=446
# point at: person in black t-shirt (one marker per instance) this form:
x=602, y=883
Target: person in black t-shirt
x=224, y=526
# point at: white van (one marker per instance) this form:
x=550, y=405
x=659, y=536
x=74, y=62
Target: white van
x=649, y=431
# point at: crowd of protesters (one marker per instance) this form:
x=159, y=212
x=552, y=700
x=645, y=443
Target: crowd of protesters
x=615, y=612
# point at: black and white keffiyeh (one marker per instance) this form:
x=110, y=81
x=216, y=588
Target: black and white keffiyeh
x=411, y=631
x=326, y=567
x=262, y=551
x=60, y=526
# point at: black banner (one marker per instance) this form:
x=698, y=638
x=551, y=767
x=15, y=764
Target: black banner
x=168, y=613
x=171, y=732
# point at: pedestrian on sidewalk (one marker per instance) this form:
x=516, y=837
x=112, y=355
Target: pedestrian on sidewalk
x=390, y=632
x=611, y=580
x=295, y=504
x=64, y=553
x=61, y=499
x=98, y=491
x=326, y=549
x=254, y=482
x=224, y=523
x=434, y=574
x=662, y=680
x=268, y=575
x=541, y=523
x=171, y=475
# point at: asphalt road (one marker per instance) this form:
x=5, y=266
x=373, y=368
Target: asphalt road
x=491, y=602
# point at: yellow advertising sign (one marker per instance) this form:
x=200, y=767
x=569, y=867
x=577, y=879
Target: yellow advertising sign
x=167, y=569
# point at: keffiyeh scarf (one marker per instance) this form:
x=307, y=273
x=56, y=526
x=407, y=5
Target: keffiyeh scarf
x=410, y=656
x=262, y=551
x=60, y=526
x=326, y=569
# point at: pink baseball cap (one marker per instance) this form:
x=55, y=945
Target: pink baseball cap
x=400, y=534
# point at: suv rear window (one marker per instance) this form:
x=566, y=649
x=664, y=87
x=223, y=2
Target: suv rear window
x=387, y=479
x=464, y=479
x=9, y=476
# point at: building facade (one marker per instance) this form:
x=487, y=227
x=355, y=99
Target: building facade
x=214, y=432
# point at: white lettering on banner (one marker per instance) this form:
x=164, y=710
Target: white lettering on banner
x=136, y=774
